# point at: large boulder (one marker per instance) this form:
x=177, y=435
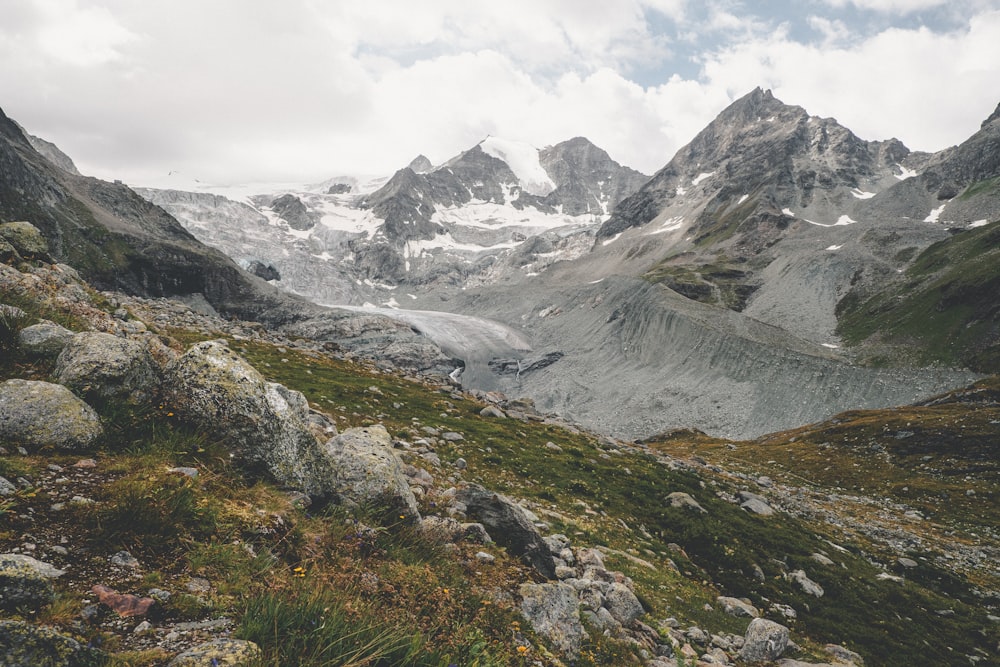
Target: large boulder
x=264, y=423
x=26, y=240
x=24, y=645
x=105, y=367
x=39, y=414
x=25, y=582
x=623, y=604
x=509, y=525
x=45, y=339
x=765, y=641
x=366, y=471
x=553, y=611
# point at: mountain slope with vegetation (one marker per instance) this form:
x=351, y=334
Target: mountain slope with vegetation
x=222, y=549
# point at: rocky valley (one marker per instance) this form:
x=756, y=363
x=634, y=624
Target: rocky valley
x=522, y=407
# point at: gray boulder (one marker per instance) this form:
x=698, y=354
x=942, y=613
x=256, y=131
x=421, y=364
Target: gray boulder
x=26, y=240
x=26, y=645
x=216, y=389
x=764, y=641
x=366, y=470
x=681, y=499
x=25, y=582
x=45, y=339
x=554, y=613
x=623, y=604
x=106, y=367
x=39, y=414
x=737, y=607
x=218, y=653
x=7, y=487
x=509, y=525
x=805, y=583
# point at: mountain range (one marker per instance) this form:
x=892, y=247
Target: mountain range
x=730, y=413
x=731, y=292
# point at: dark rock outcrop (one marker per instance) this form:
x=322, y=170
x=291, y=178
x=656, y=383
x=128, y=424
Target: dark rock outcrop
x=509, y=526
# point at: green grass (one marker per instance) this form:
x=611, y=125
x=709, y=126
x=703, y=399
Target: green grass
x=942, y=311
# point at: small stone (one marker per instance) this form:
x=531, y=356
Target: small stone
x=461, y=464
x=187, y=472
x=805, y=583
x=198, y=585
x=551, y=446
x=159, y=594
x=906, y=562
x=145, y=626
x=821, y=559
x=484, y=557
x=124, y=559
x=452, y=436
x=681, y=499
x=223, y=651
x=737, y=607
x=85, y=463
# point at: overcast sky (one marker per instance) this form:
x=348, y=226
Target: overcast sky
x=232, y=91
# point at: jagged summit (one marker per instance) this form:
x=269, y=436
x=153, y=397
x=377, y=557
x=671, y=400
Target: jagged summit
x=420, y=164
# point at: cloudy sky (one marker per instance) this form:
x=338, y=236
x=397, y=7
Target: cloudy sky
x=229, y=91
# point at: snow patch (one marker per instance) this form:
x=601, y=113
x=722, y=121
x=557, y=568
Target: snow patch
x=702, y=176
x=681, y=191
x=831, y=346
x=523, y=160
x=668, y=226
x=978, y=223
x=788, y=212
x=861, y=194
x=743, y=199
x=612, y=239
x=391, y=303
x=905, y=173
x=936, y=213
x=845, y=220
x=835, y=247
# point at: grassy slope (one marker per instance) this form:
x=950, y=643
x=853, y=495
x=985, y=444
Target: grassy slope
x=417, y=604
x=944, y=311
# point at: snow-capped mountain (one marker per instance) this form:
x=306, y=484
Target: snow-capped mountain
x=498, y=208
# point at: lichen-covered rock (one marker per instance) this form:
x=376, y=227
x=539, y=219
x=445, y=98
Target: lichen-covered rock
x=26, y=645
x=39, y=414
x=366, y=470
x=553, y=611
x=764, y=641
x=45, y=339
x=8, y=253
x=737, y=607
x=623, y=604
x=805, y=583
x=25, y=582
x=681, y=499
x=100, y=365
x=222, y=652
x=215, y=388
x=26, y=239
x=508, y=524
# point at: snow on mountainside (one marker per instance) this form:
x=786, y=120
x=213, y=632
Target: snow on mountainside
x=524, y=160
x=502, y=208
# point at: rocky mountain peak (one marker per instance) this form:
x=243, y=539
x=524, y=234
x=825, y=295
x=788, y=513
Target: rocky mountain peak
x=421, y=164
x=995, y=116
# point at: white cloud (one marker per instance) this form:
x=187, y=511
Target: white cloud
x=80, y=36
x=889, y=6
x=306, y=89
